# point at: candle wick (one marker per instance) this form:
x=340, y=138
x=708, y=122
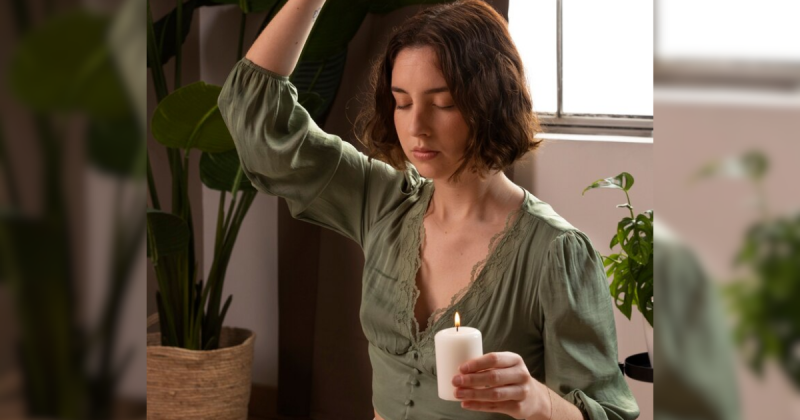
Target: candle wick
x=456, y=328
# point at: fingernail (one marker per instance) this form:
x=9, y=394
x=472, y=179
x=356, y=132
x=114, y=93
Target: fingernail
x=464, y=368
x=457, y=381
x=460, y=394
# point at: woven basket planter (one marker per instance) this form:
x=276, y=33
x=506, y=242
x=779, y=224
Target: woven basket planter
x=191, y=384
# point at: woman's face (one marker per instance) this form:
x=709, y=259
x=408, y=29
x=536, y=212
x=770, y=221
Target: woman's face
x=431, y=129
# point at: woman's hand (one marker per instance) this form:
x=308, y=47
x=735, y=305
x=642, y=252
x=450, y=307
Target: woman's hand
x=500, y=382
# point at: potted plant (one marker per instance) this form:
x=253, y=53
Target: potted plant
x=196, y=368
x=632, y=267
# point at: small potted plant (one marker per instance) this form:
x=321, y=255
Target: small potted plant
x=632, y=267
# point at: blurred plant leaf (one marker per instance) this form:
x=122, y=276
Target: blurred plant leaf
x=623, y=181
x=752, y=165
x=116, y=146
x=85, y=78
x=765, y=303
x=218, y=171
x=166, y=234
x=189, y=118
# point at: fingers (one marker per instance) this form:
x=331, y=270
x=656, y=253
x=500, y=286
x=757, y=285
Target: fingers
x=498, y=394
x=491, y=361
x=495, y=377
x=494, y=406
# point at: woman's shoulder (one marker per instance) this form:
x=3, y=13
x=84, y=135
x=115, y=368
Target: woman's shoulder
x=546, y=231
x=544, y=220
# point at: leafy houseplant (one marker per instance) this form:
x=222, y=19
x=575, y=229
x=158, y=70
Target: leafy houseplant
x=632, y=266
x=763, y=299
x=190, y=310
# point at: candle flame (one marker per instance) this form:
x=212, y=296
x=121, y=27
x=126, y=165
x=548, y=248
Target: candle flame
x=458, y=321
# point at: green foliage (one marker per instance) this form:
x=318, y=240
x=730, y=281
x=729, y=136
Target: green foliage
x=764, y=301
x=189, y=118
x=219, y=171
x=190, y=312
x=632, y=267
x=766, y=306
x=85, y=78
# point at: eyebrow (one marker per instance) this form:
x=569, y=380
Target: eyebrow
x=434, y=90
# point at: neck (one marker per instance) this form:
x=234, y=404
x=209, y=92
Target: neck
x=472, y=198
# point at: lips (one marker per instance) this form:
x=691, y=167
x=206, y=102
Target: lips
x=422, y=153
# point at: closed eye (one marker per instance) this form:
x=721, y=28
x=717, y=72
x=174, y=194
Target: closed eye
x=398, y=106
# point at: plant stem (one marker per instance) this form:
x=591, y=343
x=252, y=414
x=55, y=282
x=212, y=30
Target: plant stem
x=154, y=53
x=220, y=222
x=630, y=207
x=8, y=174
x=151, y=185
x=178, y=42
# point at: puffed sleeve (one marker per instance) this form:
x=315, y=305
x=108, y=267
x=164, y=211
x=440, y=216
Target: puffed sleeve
x=324, y=180
x=580, y=341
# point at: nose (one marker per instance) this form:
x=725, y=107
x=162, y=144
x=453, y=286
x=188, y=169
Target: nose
x=418, y=124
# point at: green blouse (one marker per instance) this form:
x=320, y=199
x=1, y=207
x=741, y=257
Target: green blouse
x=541, y=292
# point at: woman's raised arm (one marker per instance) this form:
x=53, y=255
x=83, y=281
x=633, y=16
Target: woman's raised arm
x=280, y=43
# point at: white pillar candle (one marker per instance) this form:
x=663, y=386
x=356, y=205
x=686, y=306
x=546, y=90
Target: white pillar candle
x=454, y=347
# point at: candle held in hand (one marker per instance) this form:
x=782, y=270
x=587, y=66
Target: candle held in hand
x=454, y=347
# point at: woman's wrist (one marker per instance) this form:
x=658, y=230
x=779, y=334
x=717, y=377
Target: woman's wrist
x=544, y=408
x=553, y=407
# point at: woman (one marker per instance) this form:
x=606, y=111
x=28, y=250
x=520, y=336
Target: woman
x=441, y=226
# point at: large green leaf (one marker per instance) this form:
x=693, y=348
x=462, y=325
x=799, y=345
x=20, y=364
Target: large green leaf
x=166, y=234
x=165, y=29
x=218, y=171
x=189, y=118
x=317, y=83
x=623, y=181
x=336, y=25
x=84, y=79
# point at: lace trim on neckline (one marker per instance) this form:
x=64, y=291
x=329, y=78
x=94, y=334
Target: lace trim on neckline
x=413, y=237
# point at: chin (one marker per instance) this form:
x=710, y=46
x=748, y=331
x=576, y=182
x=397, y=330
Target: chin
x=431, y=171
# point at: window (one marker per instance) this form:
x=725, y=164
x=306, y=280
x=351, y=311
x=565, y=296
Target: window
x=589, y=63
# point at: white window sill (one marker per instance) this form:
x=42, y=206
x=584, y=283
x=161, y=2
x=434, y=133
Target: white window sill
x=597, y=138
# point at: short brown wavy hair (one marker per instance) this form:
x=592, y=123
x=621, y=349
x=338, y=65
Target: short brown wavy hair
x=484, y=72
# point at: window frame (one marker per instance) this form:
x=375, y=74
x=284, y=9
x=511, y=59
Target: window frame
x=589, y=124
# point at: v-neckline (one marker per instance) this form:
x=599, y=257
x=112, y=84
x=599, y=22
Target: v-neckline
x=495, y=243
